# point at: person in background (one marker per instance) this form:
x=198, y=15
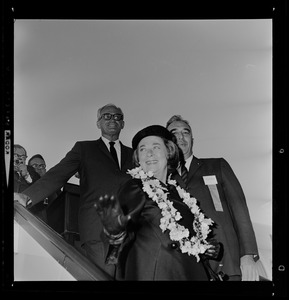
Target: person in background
x=213, y=182
x=38, y=163
x=148, y=225
x=102, y=165
x=24, y=175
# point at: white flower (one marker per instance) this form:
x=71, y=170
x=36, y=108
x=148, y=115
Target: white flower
x=195, y=245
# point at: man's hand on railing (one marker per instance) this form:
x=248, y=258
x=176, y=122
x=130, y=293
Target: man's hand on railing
x=111, y=215
x=22, y=199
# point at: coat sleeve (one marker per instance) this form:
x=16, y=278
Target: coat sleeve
x=132, y=198
x=239, y=210
x=55, y=177
x=34, y=175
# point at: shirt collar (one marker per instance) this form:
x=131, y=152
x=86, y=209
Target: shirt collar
x=106, y=141
x=188, y=162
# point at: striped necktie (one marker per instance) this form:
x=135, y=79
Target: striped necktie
x=113, y=152
x=184, y=173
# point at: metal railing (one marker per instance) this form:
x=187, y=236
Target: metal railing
x=64, y=253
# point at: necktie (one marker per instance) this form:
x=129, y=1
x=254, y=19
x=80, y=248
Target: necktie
x=113, y=152
x=184, y=173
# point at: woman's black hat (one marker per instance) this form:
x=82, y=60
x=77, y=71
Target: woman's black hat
x=156, y=130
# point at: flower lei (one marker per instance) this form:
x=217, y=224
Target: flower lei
x=192, y=246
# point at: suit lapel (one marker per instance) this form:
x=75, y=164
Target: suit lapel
x=179, y=179
x=101, y=145
x=195, y=164
x=123, y=154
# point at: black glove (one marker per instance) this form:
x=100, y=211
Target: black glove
x=111, y=215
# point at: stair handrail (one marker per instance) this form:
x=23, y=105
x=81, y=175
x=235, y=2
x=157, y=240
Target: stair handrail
x=64, y=253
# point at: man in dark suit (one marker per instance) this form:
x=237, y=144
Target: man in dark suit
x=213, y=183
x=99, y=174
x=39, y=165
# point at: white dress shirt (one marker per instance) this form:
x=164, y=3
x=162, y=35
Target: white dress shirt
x=116, y=146
x=187, y=164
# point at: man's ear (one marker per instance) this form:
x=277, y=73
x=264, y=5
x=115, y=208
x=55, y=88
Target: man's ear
x=97, y=124
x=122, y=125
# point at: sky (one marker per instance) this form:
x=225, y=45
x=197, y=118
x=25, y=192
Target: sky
x=217, y=74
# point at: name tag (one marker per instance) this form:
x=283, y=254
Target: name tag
x=210, y=180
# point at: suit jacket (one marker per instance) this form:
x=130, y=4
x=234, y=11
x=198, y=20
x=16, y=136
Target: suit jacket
x=222, y=199
x=99, y=175
x=149, y=253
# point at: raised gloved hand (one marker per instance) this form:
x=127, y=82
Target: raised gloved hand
x=249, y=268
x=111, y=215
x=215, y=251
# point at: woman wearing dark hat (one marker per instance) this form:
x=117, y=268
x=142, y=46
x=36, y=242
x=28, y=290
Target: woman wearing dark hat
x=154, y=230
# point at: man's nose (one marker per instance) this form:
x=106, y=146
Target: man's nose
x=180, y=137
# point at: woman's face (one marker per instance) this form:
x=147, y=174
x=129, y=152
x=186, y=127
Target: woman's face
x=152, y=155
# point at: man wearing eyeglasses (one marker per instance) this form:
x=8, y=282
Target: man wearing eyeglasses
x=38, y=164
x=101, y=169
x=24, y=175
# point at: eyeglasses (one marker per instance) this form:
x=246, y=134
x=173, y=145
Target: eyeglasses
x=108, y=116
x=20, y=156
x=40, y=166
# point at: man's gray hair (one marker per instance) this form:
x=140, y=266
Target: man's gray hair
x=107, y=105
x=176, y=118
x=17, y=146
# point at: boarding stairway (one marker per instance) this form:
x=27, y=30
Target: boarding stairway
x=60, y=237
